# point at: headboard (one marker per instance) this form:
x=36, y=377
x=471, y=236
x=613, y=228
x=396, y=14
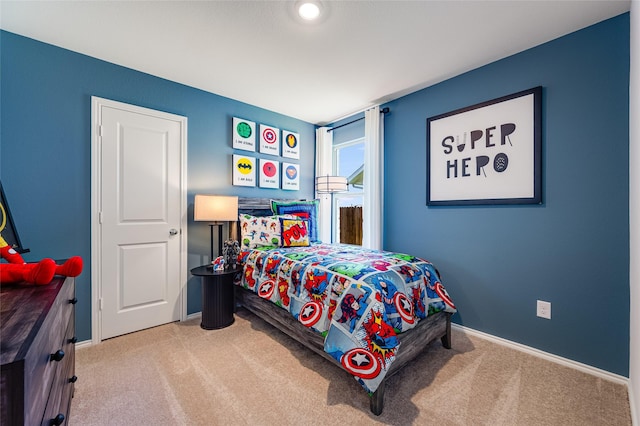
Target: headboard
x=254, y=206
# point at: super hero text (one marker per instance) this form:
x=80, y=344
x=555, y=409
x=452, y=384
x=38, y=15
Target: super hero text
x=495, y=138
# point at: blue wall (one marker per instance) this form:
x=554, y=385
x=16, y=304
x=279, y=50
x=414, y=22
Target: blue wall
x=573, y=250
x=45, y=149
x=350, y=129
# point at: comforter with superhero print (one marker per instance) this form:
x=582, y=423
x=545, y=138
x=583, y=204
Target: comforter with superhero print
x=358, y=299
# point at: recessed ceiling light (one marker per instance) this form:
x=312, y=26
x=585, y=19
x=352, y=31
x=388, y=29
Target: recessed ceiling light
x=309, y=10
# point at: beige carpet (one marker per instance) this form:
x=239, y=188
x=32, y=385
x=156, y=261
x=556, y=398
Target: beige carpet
x=252, y=374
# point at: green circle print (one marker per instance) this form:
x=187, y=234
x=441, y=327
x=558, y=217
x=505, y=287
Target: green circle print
x=243, y=129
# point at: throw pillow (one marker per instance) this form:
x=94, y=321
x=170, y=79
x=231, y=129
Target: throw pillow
x=294, y=232
x=307, y=210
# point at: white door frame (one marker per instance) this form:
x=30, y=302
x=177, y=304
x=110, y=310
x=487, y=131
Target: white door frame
x=96, y=195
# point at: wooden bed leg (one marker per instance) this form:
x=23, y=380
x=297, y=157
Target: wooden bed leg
x=446, y=339
x=377, y=400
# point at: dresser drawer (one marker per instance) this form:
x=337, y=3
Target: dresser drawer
x=35, y=323
x=57, y=410
x=40, y=366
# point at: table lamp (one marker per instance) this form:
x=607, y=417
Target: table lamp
x=216, y=209
x=330, y=185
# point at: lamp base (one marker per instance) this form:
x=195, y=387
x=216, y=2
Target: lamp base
x=219, y=225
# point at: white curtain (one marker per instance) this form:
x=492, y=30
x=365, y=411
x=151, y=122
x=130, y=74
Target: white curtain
x=373, y=179
x=324, y=166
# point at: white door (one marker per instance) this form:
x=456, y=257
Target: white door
x=140, y=217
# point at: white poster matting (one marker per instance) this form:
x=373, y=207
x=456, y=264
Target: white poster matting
x=290, y=176
x=269, y=140
x=290, y=144
x=244, y=134
x=244, y=170
x=269, y=174
x=486, y=153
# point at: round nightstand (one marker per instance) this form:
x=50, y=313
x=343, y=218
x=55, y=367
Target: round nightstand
x=218, y=301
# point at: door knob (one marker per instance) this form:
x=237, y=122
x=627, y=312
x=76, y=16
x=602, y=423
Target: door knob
x=173, y=231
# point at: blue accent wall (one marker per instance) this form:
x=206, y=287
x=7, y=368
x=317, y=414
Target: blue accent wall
x=45, y=150
x=573, y=250
x=350, y=130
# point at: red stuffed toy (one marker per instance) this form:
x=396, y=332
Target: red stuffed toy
x=35, y=273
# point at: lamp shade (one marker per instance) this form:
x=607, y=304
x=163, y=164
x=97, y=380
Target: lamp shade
x=330, y=184
x=215, y=208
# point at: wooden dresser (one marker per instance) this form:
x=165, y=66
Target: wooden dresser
x=37, y=339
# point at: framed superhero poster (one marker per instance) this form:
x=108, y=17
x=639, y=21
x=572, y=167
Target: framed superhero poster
x=244, y=170
x=269, y=140
x=269, y=174
x=8, y=230
x=290, y=176
x=244, y=134
x=290, y=144
x=489, y=153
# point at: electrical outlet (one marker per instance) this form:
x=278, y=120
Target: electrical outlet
x=544, y=309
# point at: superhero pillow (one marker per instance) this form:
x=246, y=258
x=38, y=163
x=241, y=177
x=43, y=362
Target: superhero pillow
x=294, y=232
x=307, y=210
x=260, y=231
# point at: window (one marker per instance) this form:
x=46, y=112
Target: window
x=348, y=161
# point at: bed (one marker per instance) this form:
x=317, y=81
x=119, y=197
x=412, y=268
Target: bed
x=369, y=312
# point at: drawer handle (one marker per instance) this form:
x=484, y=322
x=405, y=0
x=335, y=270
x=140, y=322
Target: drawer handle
x=73, y=340
x=58, y=420
x=73, y=301
x=57, y=356
x=73, y=379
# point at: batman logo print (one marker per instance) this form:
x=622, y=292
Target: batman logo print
x=244, y=166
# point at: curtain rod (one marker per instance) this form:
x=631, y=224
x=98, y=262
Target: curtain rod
x=382, y=111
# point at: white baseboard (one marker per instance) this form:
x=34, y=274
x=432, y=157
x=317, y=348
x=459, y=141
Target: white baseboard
x=195, y=315
x=632, y=405
x=603, y=374
x=84, y=344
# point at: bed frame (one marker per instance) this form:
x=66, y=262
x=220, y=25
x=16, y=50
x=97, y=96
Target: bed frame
x=413, y=342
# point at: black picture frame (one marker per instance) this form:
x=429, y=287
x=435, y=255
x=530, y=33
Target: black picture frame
x=7, y=226
x=487, y=153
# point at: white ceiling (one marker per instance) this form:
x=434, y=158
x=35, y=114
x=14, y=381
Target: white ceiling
x=362, y=53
